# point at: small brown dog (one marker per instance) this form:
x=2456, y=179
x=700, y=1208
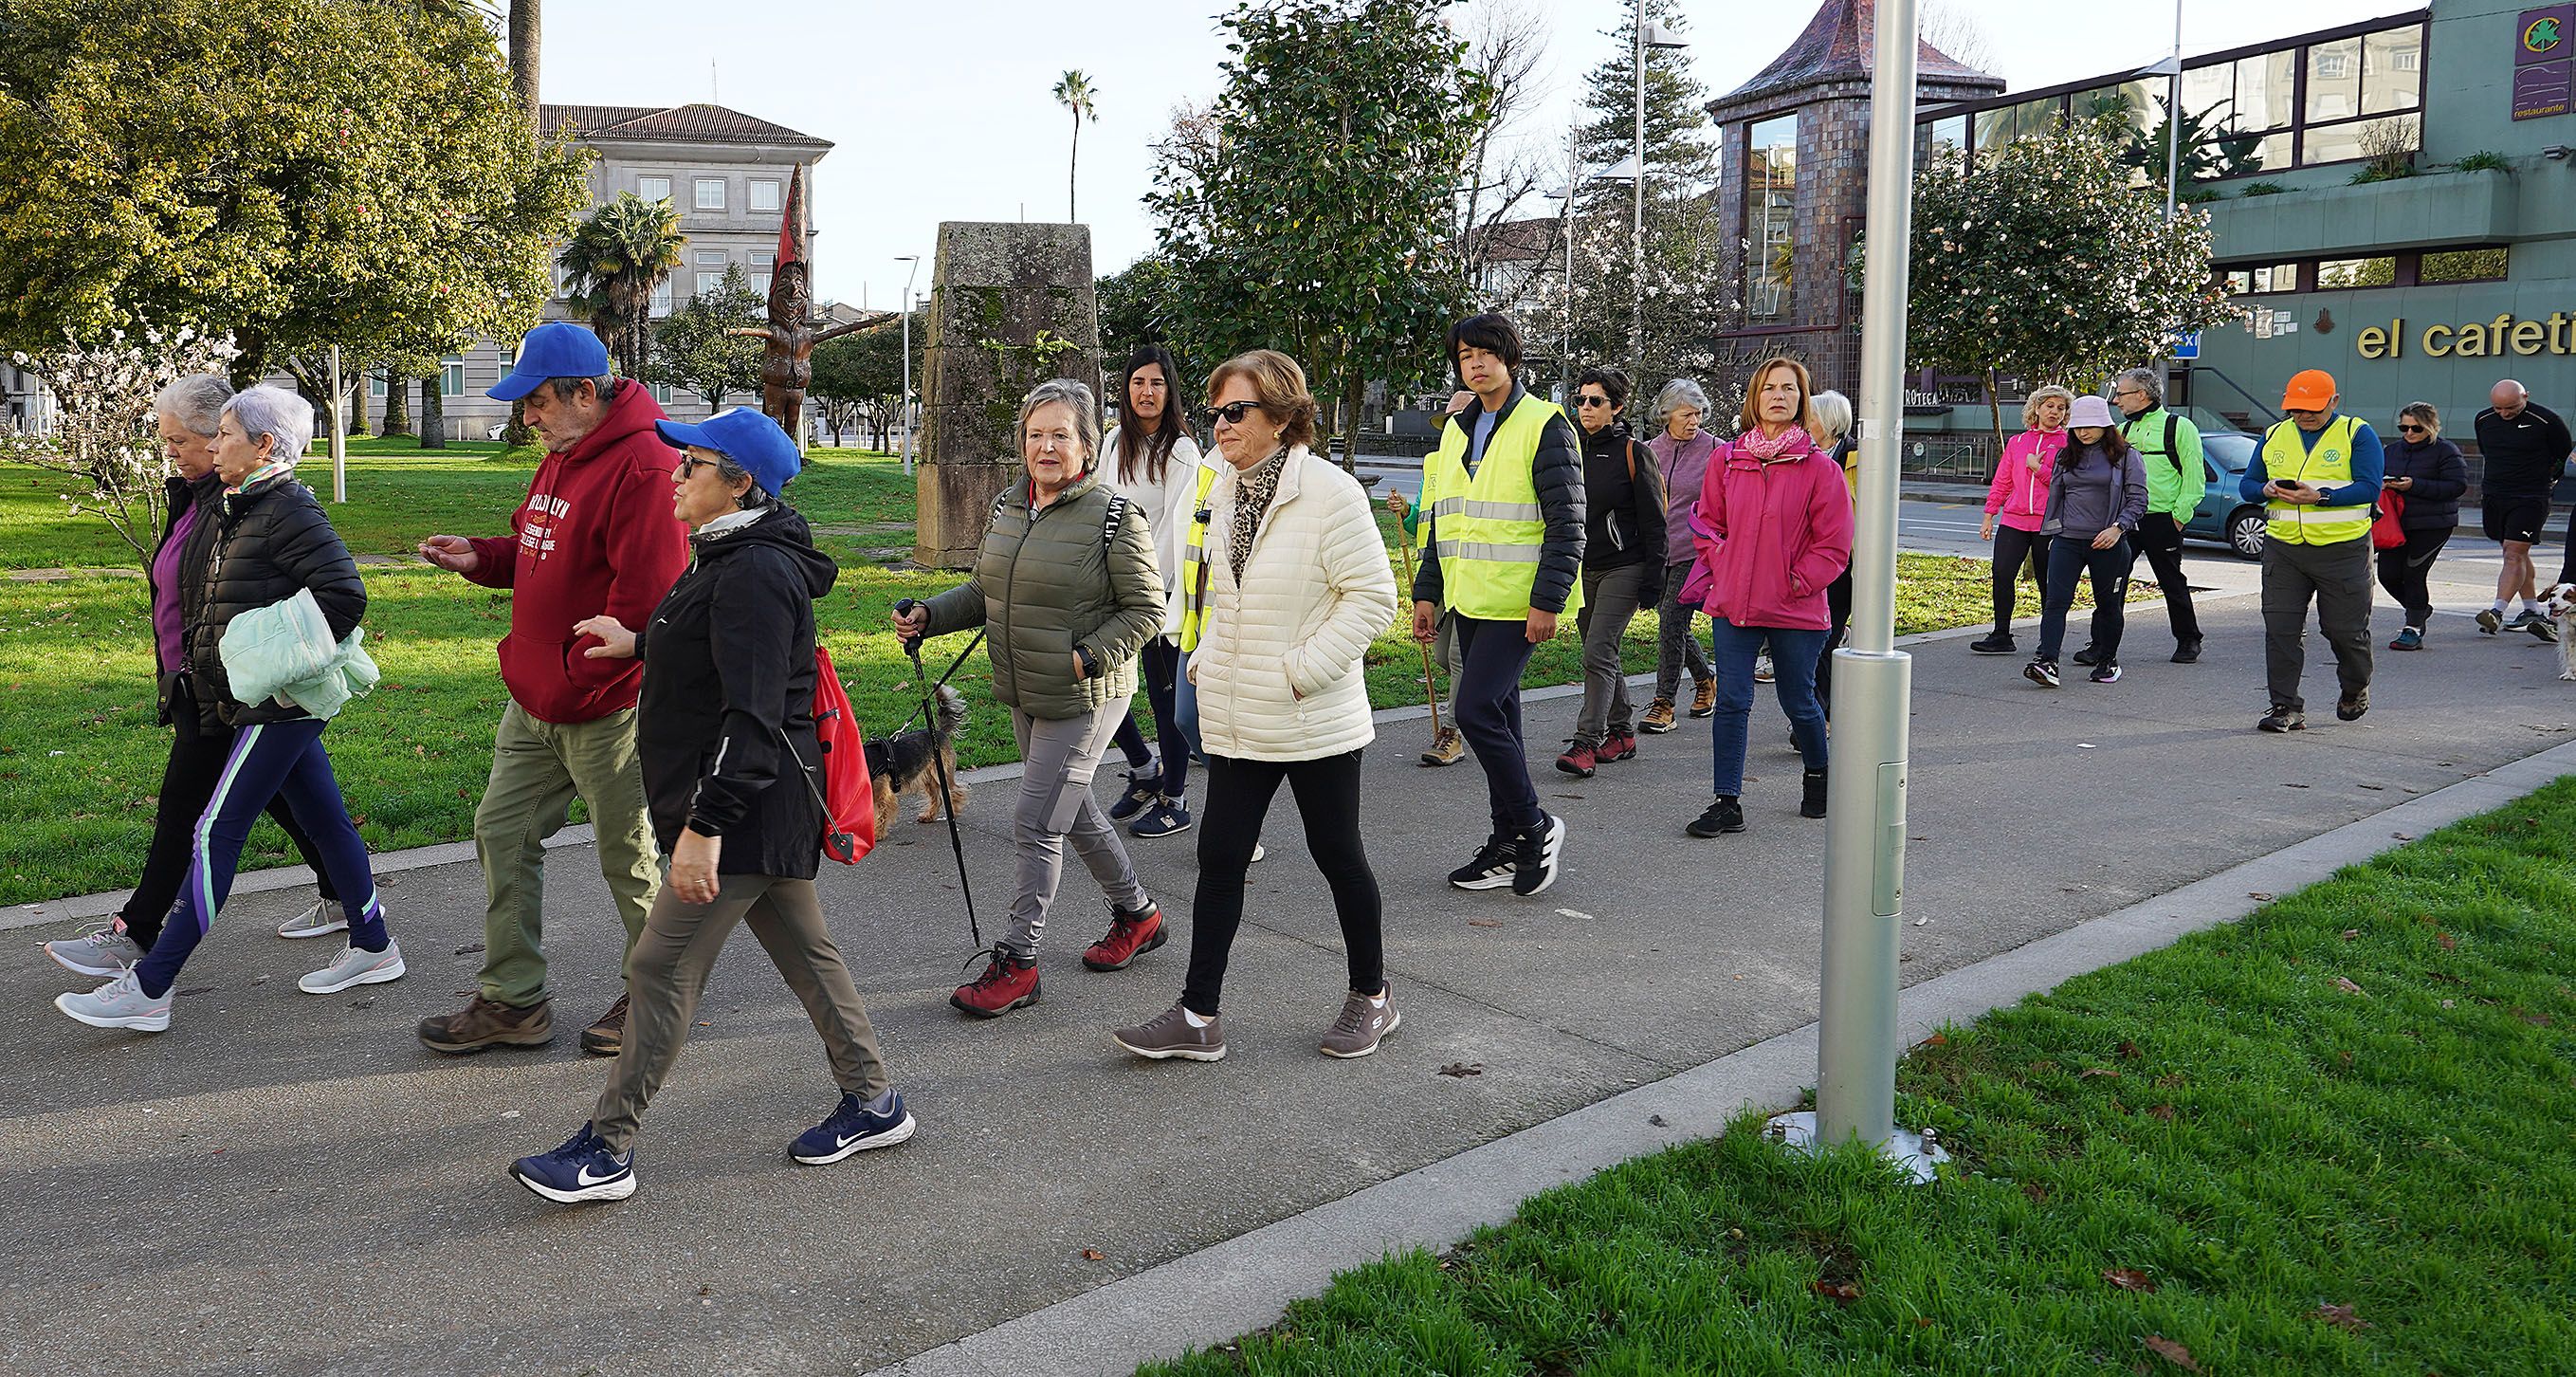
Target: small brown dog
x=903, y=764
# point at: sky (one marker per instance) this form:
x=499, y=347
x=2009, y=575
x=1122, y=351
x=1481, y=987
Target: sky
x=944, y=111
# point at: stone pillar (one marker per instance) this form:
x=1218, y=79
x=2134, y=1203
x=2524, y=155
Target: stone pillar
x=1011, y=305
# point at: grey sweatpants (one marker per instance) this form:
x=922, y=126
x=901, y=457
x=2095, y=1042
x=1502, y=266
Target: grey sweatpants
x=2337, y=578
x=1444, y=652
x=1058, y=757
x=1675, y=643
x=1611, y=598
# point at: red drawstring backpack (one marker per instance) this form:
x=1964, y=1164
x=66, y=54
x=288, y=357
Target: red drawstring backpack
x=848, y=798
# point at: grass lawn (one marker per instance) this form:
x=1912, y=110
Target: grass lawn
x=2332, y=1138
x=80, y=754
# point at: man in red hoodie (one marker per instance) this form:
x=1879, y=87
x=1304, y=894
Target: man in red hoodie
x=596, y=536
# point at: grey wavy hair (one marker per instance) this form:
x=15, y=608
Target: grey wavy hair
x=2145, y=380
x=1679, y=393
x=732, y=473
x=1833, y=418
x=2030, y=406
x=286, y=418
x=196, y=401
x=1075, y=397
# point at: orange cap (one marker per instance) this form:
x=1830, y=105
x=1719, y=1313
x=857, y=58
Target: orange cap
x=2311, y=389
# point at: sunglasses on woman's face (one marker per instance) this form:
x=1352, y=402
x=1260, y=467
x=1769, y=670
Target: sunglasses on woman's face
x=1588, y=399
x=690, y=463
x=2410, y=430
x=1232, y=413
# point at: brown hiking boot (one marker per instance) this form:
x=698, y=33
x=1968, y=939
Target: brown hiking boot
x=1362, y=1023
x=483, y=1024
x=607, y=1037
x=1169, y=1034
x=1448, y=748
x=1658, y=718
x=1704, y=697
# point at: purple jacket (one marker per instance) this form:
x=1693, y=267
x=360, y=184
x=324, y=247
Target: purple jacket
x=1684, y=467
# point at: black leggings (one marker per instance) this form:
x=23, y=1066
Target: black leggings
x=1160, y=659
x=187, y=782
x=2013, y=547
x=1238, y=798
x=2159, y=540
x=2406, y=570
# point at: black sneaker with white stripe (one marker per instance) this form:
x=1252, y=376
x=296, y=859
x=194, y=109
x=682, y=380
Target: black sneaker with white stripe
x=1536, y=859
x=1492, y=866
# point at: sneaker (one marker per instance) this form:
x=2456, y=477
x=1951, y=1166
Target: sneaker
x=1166, y=818
x=2351, y=706
x=321, y=919
x=1704, y=697
x=1658, y=719
x=2408, y=638
x=2283, y=720
x=1617, y=746
x=1131, y=935
x=2187, y=652
x=582, y=1169
x=2491, y=620
x=1490, y=868
x=606, y=1037
x=2106, y=673
x=2524, y=620
x=854, y=1125
x=1364, y=1022
x=1762, y=674
x=483, y=1025
x=1811, y=801
x=1995, y=643
x=100, y=950
x=1143, y=789
x=2041, y=672
x=1008, y=982
x=1169, y=1034
x=1534, y=867
x=120, y=1003
x=2084, y=656
x=1725, y=815
x=2538, y=625
x=1448, y=748
x=1579, y=759
x=354, y=966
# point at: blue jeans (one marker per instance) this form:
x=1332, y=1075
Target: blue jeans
x=2071, y=558
x=1793, y=666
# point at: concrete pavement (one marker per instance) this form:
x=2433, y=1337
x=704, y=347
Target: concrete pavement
x=288, y=1184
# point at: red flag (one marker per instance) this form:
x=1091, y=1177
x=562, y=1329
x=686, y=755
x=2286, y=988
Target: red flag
x=787, y=224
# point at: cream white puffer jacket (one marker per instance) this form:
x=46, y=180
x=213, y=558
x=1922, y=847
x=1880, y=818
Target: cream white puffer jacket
x=1278, y=664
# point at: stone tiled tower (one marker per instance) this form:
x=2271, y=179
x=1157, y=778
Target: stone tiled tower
x=1823, y=80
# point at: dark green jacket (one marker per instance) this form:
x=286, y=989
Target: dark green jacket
x=1047, y=583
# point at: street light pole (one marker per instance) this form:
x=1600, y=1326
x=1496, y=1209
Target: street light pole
x=906, y=304
x=2173, y=118
x=1637, y=222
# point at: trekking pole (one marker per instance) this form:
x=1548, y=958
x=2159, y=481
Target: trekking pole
x=1430, y=685
x=939, y=771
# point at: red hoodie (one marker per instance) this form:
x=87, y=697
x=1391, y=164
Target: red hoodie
x=595, y=535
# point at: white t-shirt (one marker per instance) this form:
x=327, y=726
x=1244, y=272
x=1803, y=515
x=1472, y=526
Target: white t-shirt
x=1167, y=511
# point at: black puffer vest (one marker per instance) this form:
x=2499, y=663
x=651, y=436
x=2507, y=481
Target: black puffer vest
x=273, y=541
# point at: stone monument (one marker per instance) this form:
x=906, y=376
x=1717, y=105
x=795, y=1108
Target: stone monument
x=1011, y=305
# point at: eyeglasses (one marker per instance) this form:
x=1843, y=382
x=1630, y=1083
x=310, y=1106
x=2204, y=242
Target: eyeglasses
x=2404, y=429
x=1591, y=401
x=1232, y=413
x=690, y=463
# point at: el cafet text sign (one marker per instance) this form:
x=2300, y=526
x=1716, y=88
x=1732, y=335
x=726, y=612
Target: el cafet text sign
x=2544, y=61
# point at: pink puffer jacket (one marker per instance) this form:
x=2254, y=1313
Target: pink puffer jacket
x=1772, y=536
x=2019, y=495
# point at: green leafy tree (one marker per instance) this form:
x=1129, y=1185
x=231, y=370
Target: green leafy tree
x=2210, y=146
x=1135, y=309
x=614, y=262
x=2038, y=267
x=1325, y=229
x=692, y=349
x=1074, y=92
x=390, y=197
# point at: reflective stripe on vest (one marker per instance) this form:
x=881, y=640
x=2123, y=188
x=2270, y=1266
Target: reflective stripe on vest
x=2328, y=465
x=1488, y=529
x=1194, y=562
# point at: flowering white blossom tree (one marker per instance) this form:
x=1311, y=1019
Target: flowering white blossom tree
x=104, y=430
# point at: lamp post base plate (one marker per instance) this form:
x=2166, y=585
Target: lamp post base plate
x=1916, y=1154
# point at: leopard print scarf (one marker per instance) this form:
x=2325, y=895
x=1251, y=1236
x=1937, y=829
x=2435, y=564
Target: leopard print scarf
x=1251, y=503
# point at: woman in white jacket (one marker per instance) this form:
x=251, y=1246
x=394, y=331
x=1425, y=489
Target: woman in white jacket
x=1293, y=587
x=1151, y=461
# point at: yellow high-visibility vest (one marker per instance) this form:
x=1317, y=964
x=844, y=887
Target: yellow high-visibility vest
x=1488, y=529
x=2328, y=465
x=1194, y=561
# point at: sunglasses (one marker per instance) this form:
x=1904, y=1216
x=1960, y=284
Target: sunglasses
x=690, y=463
x=1232, y=413
x=1591, y=401
x=2410, y=430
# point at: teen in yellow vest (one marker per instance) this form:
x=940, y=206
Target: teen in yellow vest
x=2317, y=475
x=1503, y=552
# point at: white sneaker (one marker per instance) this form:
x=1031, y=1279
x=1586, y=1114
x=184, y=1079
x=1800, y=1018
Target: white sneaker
x=120, y=1003
x=355, y=966
x=324, y=918
x=1762, y=668
x=100, y=950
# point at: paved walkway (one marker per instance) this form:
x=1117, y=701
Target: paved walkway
x=290, y=1185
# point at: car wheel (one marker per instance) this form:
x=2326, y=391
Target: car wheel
x=2245, y=532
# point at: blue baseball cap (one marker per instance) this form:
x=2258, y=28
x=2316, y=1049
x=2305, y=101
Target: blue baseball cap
x=556, y=349
x=748, y=438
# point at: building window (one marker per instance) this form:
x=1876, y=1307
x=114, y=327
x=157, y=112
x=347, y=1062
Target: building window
x=2463, y=265
x=764, y=197
x=708, y=282
x=2352, y=139
x=661, y=393
x=376, y=386
x=2392, y=71
x=2356, y=272
x=711, y=193
x=451, y=376
x=762, y=266
x=1771, y=212
x=653, y=188
x=709, y=258
x=2262, y=279
x=661, y=298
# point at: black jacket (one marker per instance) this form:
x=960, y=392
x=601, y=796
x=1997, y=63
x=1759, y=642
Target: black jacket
x=2440, y=475
x=272, y=540
x=1623, y=502
x=1556, y=470
x=729, y=665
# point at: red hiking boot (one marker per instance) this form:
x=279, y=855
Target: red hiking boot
x=1008, y=983
x=1617, y=746
x=1131, y=935
x=1578, y=760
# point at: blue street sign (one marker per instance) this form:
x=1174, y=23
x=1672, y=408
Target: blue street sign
x=2187, y=346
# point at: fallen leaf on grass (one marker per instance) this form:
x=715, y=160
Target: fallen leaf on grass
x=1484, y=922
x=2164, y=1113
x=2350, y=933
x=2130, y=1051
x=2129, y=1279
x=2090, y=1072
x=2445, y=941
x=1094, y=1255
x=1463, y=1068
x=2348, y=987
x=2172, y=1352
x=2527, y=1016
x=2340, y=1316
x=1843, y=1291
x=1937, y=1040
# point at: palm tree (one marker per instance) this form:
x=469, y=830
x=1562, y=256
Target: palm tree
x=614, y=262
x=525, y=43
x=1074, y=91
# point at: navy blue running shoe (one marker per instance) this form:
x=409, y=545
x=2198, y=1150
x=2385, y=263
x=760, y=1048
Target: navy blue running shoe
x=582, y=1169
x=854, y=1126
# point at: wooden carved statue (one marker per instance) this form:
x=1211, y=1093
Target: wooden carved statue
x=787, y=362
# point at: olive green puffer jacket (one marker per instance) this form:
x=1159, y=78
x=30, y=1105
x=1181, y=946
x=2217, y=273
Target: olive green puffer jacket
x=1047, y=583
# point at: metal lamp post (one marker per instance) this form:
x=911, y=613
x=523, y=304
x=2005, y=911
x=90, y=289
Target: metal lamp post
x=1873, y=681
x=906, y=304
x=1647, y=36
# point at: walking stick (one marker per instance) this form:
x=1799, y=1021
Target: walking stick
x=939, y=770
x=1430, y=684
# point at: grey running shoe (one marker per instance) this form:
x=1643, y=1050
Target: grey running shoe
x=321, y=920
x=1169, y=1034
x=354, y=966
x=1363, y=1023
x=100, y=950
x=2537, y=625
x=120, y=1003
